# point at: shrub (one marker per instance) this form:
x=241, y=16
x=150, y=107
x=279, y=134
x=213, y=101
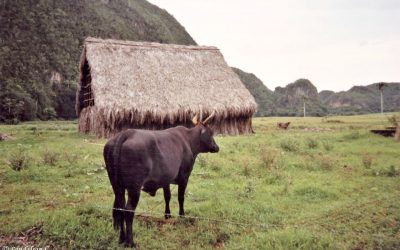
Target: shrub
x=246, y=167
x=328, y=146
x=71, y=158
x=326, y=163
x=312, y=143
x=50, y=158
x=367, y=161
x=19, y=159
x=290, y=145
x=268, y=157
x=393, y=171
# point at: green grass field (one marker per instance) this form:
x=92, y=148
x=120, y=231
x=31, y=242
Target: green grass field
x=325, y=183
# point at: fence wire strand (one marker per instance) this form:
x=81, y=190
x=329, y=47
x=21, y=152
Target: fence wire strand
x=157, y=215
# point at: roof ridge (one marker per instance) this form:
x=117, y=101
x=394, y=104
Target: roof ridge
x=148, y=44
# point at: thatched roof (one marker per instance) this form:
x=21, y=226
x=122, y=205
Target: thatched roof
x=155, y=83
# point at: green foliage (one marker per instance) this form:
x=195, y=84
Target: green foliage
x=19, y=159
x=288, y=100
x=290, y=145
x=50, y=158
x=268, y=157
x=41, y=44
x=311, y=199
x=312, y=143
x=328, y=145
x=367, y=161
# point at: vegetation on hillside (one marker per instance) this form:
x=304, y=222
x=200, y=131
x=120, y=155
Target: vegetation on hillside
x=263, y=96
x=325, y=183
x=288, y=100
x=41, y=42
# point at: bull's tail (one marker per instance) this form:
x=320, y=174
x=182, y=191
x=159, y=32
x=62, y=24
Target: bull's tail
x=112, y=152
x=118, y=213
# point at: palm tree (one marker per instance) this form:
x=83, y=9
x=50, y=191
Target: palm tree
x=381, y=85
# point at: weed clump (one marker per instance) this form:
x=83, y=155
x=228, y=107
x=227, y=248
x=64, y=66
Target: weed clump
x=326, y=163
x=328, y=146
x=71, y=158
x=268, y=158
x=367, y=161
x=353, y=135
x=246, y=168
x=393, y=171
x=248, y=191
x=312, y=143
x=50, y=158
x=290, y=145
x=19, y=159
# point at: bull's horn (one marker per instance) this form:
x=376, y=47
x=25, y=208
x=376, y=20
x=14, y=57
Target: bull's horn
x=195, y=120
x=208, y=118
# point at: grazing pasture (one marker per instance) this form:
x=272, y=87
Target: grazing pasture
x=325, y=183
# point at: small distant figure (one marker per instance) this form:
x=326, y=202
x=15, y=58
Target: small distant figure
x=283, y=125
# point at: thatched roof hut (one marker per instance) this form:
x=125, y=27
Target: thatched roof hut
x=125, y=84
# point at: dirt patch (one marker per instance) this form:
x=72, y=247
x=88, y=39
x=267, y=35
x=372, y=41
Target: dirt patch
x=24, y=239
x=319, y=129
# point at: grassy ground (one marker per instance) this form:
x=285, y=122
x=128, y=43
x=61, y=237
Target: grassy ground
x=326, y=183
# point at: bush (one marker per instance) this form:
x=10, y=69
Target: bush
x=328, y=146
x=246, y=167
x=19, y=159
x=290, y=145
x=71, y=158
x=393, y=171
x=326, y=163
x=312, y=143
x=50, y=158
x=367, y=161
x=268, y=157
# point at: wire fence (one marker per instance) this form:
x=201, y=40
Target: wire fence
x=190, y=217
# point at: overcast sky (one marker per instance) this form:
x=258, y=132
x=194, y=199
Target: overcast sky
x=334, y=43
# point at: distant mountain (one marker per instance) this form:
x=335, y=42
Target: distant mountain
x=288, y=100
x=41, y=43
x=362, y=99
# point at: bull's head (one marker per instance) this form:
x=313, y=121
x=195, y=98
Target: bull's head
x=207, y=142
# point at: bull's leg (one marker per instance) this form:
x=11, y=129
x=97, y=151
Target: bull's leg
x=167, y=198
x=133, y=199
x=118, y=215
x=181, y=197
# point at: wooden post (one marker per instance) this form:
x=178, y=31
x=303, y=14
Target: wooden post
x=397, y=134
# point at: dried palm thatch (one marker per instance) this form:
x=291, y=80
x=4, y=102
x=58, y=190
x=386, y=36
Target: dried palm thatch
x=126, y=84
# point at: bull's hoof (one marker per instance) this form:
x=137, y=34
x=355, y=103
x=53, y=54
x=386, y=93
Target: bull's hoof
x=130, y=244
x=168, y=216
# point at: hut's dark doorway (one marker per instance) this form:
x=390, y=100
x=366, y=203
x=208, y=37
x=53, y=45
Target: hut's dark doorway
x=86, y=98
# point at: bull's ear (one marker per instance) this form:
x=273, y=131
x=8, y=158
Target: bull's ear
x=195, y=120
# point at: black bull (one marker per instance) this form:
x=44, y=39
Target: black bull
x=149, y=160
